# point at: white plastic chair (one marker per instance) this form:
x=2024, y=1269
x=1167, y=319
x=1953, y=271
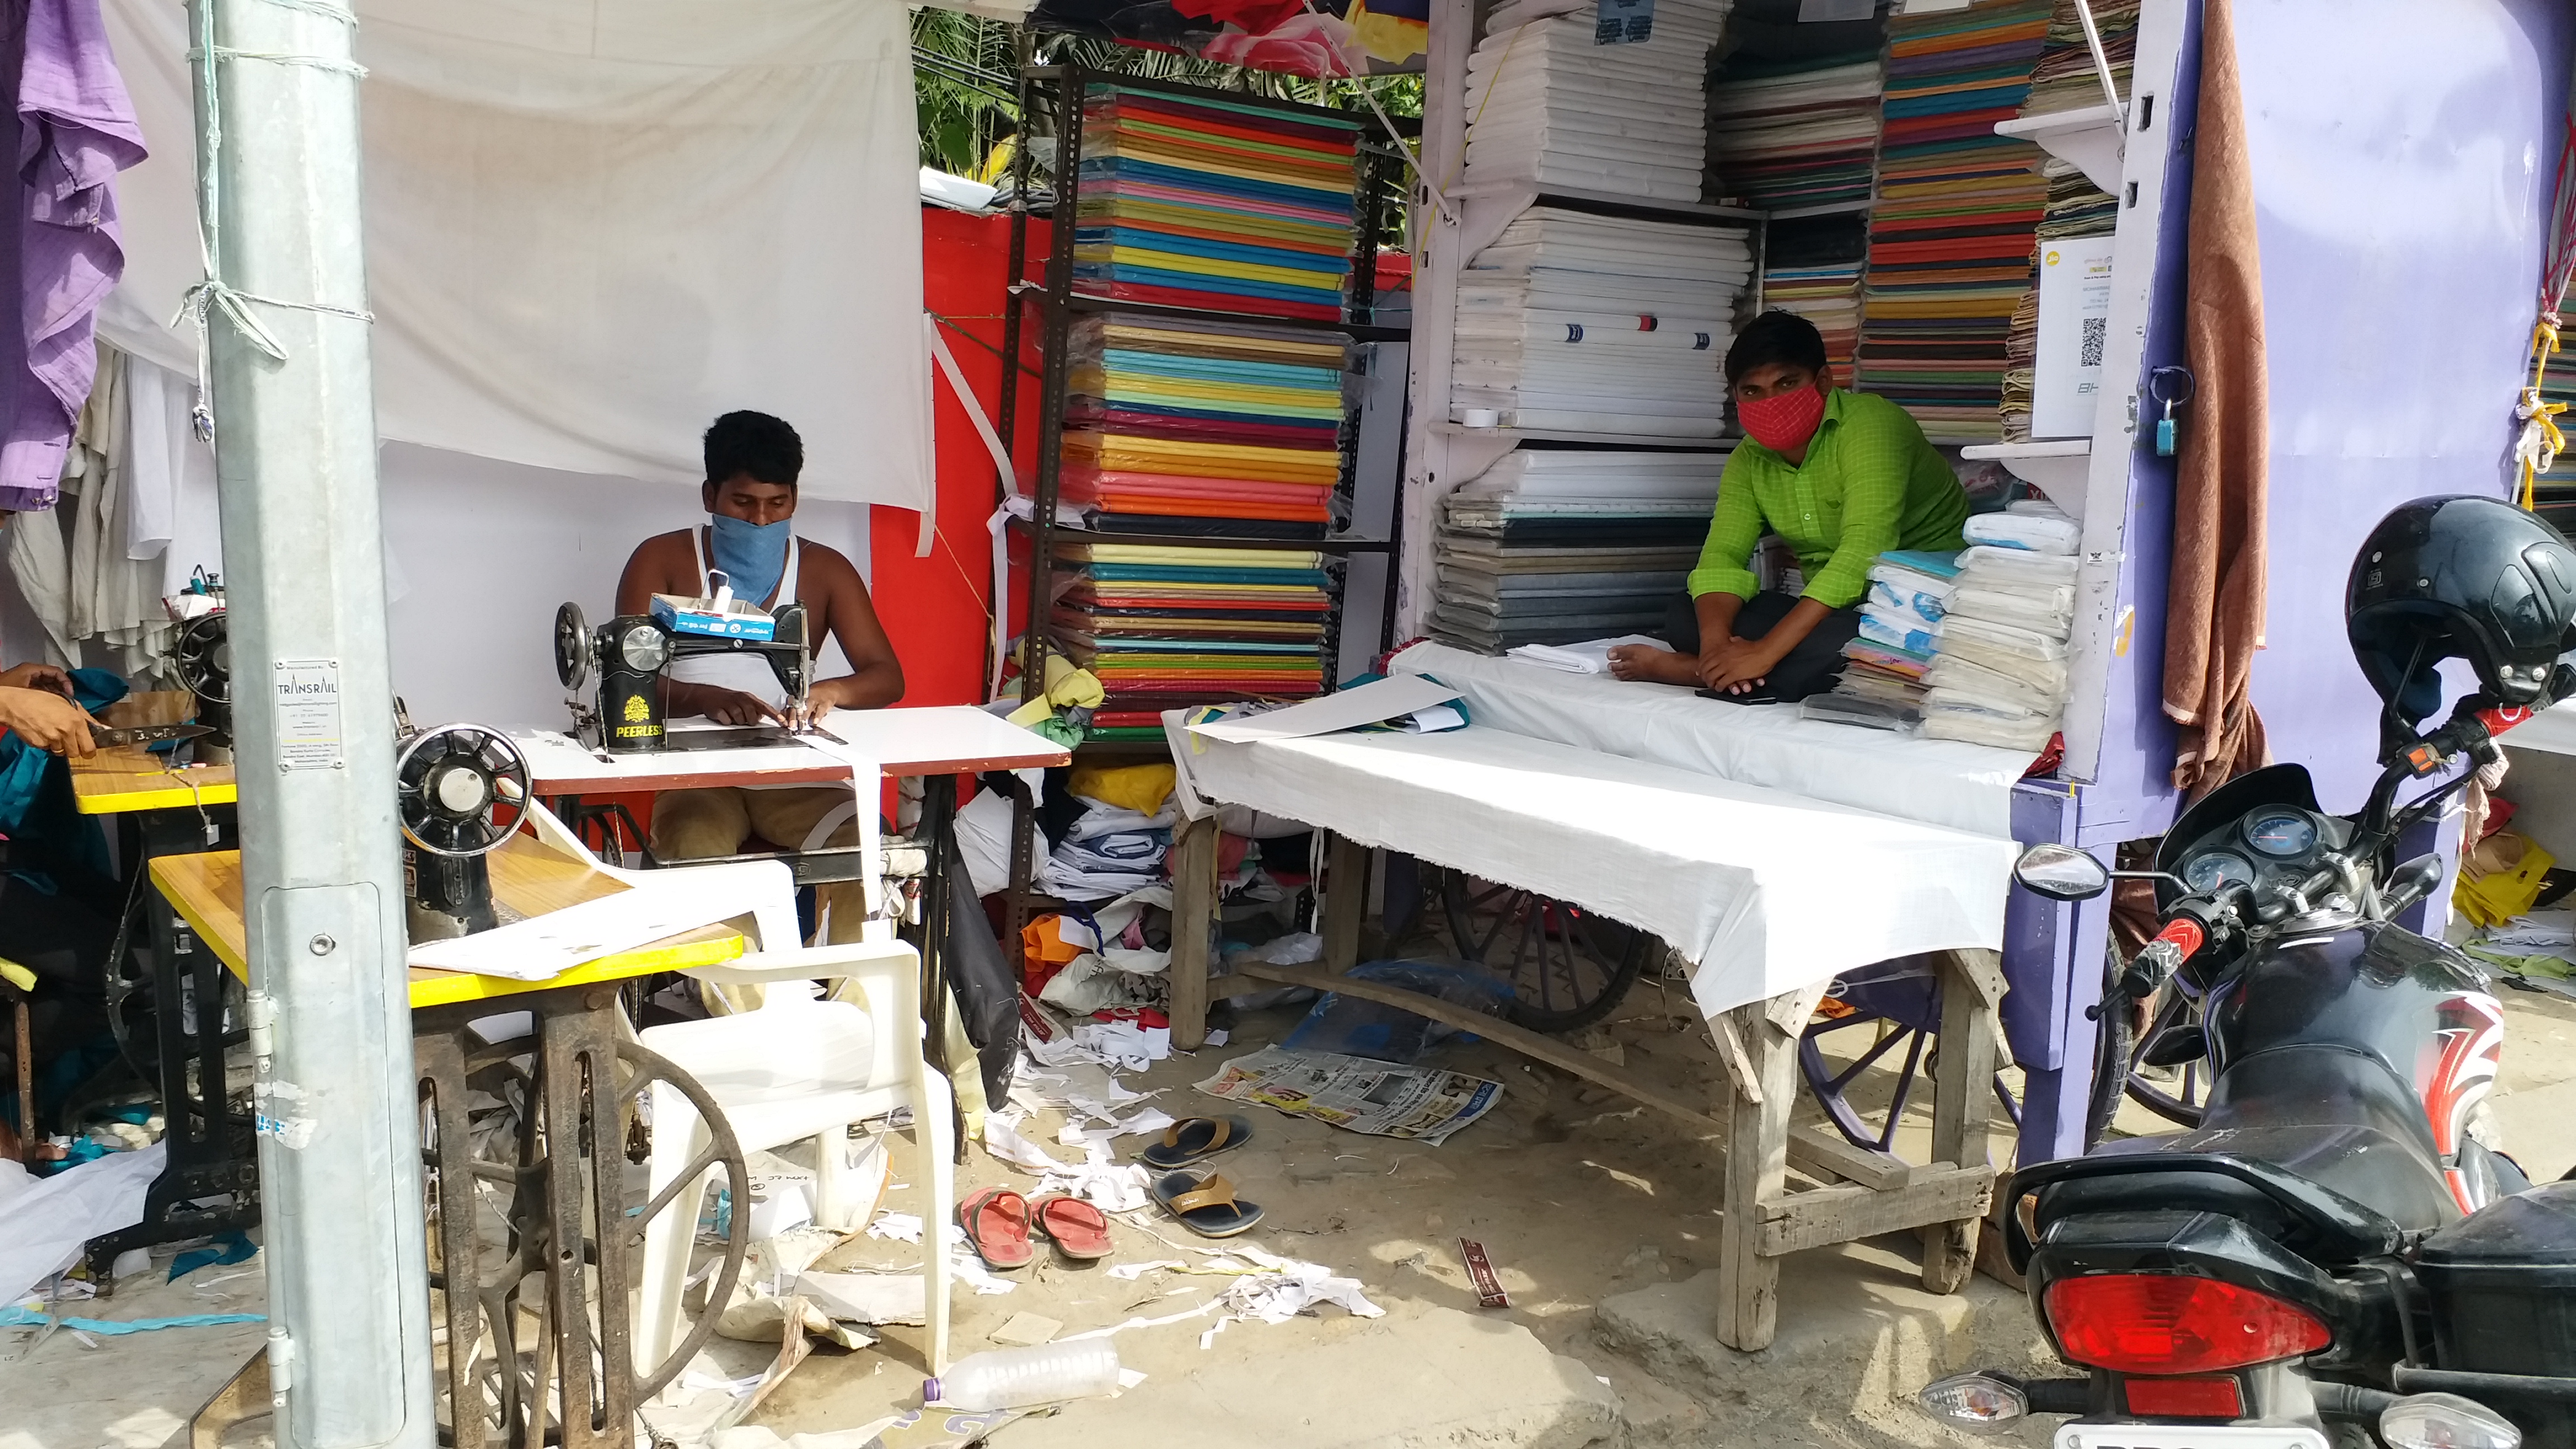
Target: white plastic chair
x=800, y=1068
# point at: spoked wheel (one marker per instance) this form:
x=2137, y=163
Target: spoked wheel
x=1567, y=966
x=1896, y=1008
x=506, y=1330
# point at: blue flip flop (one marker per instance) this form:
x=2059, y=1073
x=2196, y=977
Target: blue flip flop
x=1205, y=1205
x=1192, y=1138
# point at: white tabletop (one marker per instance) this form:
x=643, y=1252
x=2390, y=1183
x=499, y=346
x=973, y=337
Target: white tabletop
x=928, y=740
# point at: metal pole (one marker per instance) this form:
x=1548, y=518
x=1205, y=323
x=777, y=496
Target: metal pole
x=322, y=893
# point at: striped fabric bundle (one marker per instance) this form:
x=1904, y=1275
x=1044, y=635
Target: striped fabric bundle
x=1794, y=132
x=2065, y=80
x=1202, y=426
x=1600, y=324
x=1950, y=237
x=1194, y=202
x=1559, y=546
x=1165, y=626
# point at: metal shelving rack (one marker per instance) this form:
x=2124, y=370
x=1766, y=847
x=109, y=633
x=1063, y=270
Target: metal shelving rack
x=1058, y=91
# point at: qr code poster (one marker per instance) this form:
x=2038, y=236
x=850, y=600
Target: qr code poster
x=2074, y=336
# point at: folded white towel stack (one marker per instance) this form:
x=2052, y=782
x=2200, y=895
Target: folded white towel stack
x=1548, y=105
x=2000, y=675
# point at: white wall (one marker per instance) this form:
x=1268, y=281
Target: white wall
x=483, y=552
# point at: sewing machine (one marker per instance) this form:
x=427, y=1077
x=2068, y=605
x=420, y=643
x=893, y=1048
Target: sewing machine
x=459, y=791
x=630, y=654
x=203, y=660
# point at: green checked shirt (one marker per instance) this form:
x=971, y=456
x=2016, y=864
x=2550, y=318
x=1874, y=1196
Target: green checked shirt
x=1870, y=484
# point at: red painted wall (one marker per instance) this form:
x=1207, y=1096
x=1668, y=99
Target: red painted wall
x=934, y=608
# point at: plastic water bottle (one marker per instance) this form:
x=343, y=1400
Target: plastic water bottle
x=1014, y=1378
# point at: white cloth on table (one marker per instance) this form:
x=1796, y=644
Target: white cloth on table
x=1591, y=656
x=1959, y=786
x=1764, y=890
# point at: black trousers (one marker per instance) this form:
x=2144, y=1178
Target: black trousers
x=1810, y=668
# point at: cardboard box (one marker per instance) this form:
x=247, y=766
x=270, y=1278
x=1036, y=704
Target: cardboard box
x=736, y=620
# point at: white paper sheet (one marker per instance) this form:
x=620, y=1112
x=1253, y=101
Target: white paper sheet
x=1347, y=709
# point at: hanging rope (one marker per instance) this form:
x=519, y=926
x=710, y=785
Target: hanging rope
x=214, y=294
x=2537, y=446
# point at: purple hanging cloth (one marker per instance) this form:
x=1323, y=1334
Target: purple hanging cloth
x=76, y=130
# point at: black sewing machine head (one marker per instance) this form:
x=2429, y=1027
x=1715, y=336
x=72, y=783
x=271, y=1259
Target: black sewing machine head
x=631, y=653
x=203, y=660
x=459, y=792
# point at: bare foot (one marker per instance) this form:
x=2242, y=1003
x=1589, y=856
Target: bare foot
x=1655, y=666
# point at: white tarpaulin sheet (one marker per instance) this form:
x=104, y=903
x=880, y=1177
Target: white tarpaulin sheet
x=592, y=228
x=1764, y=890
x=1939, y=782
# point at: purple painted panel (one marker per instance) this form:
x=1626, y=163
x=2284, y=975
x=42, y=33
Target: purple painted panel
x=2402, y=173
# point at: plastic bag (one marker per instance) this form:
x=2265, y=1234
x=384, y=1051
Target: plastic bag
x=1348, y=1026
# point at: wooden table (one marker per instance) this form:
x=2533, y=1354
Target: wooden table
x=527, y=877
x=130, y=778
x=568, y=1155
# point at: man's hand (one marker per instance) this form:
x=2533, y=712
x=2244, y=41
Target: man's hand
x=47, y=721
x=46, y=677
x=733, y=707
x=1736, y=666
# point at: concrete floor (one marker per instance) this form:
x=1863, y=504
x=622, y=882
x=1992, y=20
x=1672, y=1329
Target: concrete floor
x=1599, y=1216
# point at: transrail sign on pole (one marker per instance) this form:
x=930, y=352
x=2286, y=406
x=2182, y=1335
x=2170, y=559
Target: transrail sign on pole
x=286, y=323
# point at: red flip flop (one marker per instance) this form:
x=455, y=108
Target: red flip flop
x=996, y=1221
x=1081, y=1231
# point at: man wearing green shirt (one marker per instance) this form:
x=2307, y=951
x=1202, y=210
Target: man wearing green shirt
x=1842, y=477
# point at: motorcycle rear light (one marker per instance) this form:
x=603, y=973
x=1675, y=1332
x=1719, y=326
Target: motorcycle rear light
x=2445, y=1421
x=1978, y=1403
x=2215, y=1397
x=2164, y=1323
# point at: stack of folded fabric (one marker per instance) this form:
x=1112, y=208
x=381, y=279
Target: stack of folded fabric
x=1164, y=626
x=1812, y=266
x=1901, y=620
x=1230, y=205
x=2064, y=80
x=1557, y=547
x=1600, y=324
x=2000, y=676
x=1794, y=132
x=1550, y=106
x=1203, y=426
x=1950, y=236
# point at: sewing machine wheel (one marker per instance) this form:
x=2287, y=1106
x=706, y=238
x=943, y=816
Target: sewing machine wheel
x=204, y=658
x=460, y=789
x=1568, y=967
x=573, y=647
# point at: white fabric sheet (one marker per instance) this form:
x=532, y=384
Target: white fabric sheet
x=1960, y=786
x=1764, y=891
x=592, y=228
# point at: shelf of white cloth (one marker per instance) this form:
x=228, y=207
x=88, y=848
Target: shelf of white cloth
x=1678, y=210
x=2090, y=138
x=1610, y=440
x=2055, y=466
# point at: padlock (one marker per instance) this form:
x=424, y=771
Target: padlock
x=2172, y=386
x=2165, y=437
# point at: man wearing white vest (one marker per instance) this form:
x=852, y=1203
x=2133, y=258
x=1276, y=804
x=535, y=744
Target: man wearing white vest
x=752, y=464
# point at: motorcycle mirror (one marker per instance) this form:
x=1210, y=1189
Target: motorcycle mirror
x=2412, y=882
x=2061, y=873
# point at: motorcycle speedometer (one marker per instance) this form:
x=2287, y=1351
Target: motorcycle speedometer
x=2207, y=872
x=2284, y=834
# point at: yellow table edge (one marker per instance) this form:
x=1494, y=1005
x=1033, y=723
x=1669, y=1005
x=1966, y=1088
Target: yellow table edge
x=127, y=802
x=448, y=987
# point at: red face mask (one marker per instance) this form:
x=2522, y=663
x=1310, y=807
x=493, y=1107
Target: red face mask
x=1782, y=421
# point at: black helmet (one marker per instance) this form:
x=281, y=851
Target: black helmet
x=2466, y=578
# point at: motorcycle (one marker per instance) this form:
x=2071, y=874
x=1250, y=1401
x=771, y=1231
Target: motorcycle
x=2334, y=1256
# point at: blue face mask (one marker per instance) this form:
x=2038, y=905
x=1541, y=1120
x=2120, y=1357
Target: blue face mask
x=751, y=555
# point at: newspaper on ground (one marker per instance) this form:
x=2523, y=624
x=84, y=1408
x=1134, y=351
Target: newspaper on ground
x=1377, y=1098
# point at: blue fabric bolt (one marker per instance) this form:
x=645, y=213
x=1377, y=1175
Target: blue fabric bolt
x=753, y=556
x=30, y=1318
x=23, y=767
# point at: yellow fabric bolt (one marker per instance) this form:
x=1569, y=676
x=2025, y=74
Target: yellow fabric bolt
x=1141, y=788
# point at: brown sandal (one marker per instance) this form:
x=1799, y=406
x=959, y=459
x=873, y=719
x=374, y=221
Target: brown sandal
x=996, y=1221
x=1192, y=1138
x=1206, y=1206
